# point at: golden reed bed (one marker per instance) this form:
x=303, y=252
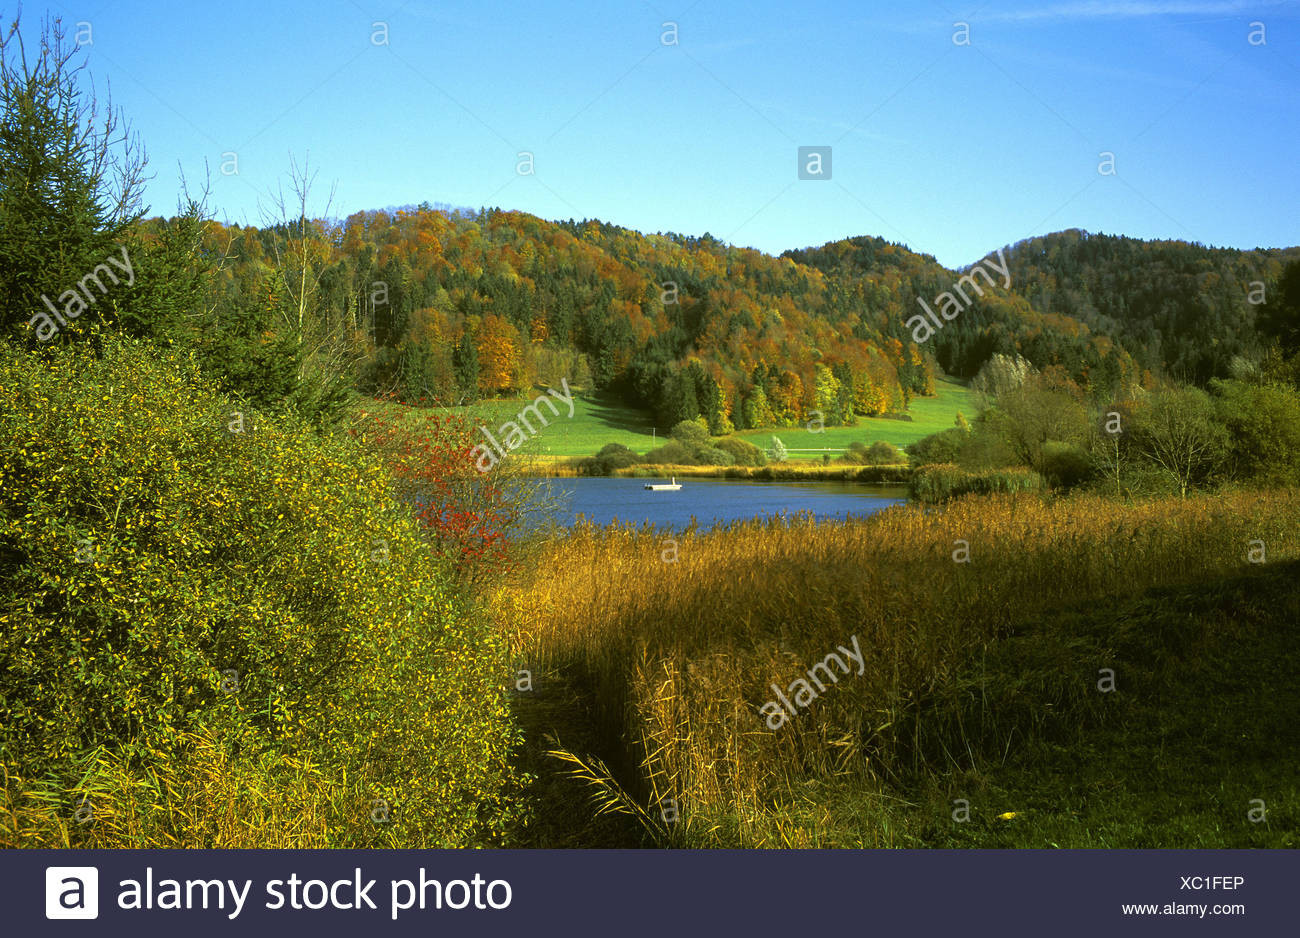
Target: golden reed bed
x=671, y=644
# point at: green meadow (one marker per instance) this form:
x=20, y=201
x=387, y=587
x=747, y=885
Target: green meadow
x=599, y=419
x=929, y=415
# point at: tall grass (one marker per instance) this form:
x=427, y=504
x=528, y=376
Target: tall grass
x=939, y=483
x=673, y=642
x=205, y=797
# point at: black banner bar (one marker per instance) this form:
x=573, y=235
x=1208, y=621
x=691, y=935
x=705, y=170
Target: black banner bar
x=655, y=893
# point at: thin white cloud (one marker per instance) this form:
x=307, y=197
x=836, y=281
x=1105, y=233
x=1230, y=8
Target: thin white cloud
x=802, y=116
x=725, y=45
x=1108, y=9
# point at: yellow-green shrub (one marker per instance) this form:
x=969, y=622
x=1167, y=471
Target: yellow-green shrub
x=171, y=567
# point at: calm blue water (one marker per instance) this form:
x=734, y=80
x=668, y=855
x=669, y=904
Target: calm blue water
x=711, y=501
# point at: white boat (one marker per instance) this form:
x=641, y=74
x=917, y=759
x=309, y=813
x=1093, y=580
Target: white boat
x=664, y=487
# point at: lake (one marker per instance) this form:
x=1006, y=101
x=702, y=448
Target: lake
x=712, y=501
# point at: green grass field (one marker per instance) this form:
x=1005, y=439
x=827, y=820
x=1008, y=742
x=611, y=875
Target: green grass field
x=929, y=415
x=599, y=419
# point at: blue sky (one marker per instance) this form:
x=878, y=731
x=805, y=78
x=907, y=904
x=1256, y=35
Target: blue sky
x=953, y=147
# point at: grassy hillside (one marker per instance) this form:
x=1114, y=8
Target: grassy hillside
x=597, y=419
x=600, y=418
x=929, y=415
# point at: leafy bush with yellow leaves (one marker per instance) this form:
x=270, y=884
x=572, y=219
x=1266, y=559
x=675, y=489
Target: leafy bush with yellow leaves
x=191, y=593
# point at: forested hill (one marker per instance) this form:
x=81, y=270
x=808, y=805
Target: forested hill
x=873, y=273
x=1176, y=307
x=451, y=305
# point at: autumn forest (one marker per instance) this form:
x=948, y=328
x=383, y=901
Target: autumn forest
x=453, y=305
